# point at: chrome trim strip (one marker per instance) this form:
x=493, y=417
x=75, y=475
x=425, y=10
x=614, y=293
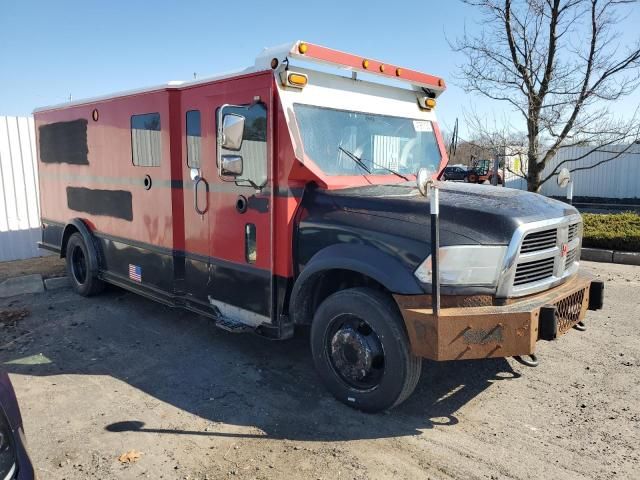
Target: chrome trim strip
x=507, y=275
x=11, y=473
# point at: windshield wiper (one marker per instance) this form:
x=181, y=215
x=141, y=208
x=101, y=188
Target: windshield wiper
x=360, y=162
x=355, y=158
x=390, y=170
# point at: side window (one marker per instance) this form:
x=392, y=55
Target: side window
x=193, y=138
x=253, y=149
x=146, y=145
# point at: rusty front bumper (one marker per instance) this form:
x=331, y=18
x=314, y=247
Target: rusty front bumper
x=488, y=330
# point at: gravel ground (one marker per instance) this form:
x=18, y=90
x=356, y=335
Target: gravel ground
x=101, y=377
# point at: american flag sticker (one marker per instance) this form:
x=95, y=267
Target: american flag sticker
x=135, y=273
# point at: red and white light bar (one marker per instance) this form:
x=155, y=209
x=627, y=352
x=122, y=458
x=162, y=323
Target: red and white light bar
x=316, y=53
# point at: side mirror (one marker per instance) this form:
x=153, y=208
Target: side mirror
x=564, y=177
x=232, y=131
x=231, y=165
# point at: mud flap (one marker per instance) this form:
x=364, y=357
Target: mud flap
x=596, y=295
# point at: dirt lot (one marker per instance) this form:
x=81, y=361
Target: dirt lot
x=49, y=266
x=100, y=377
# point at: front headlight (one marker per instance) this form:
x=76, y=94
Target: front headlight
x=7, y=450
x=468, y=265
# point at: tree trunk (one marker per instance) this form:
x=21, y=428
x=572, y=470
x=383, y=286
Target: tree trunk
x=534, y=170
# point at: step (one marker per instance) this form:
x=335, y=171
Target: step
x=233, y=326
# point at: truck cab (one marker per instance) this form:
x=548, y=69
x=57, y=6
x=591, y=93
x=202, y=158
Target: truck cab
x=287, y=194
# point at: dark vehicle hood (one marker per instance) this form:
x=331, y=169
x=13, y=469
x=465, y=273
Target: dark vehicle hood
x=483, y=214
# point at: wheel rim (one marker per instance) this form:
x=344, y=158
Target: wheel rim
x=78, y=265
x=355, y=352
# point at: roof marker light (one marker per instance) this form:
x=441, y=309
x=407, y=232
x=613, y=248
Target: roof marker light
x=297, y=80
x=348, y=61
x=427, y=103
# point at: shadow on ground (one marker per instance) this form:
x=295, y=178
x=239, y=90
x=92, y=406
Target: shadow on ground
x=184, y=360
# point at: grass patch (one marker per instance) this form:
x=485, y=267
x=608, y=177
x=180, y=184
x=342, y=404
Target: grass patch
x=612, y=231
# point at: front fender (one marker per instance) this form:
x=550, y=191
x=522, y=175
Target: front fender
x=363, y=259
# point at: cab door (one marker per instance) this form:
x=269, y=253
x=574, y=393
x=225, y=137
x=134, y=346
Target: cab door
x=240, y=206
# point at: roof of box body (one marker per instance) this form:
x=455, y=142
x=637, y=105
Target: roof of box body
x=300, y=50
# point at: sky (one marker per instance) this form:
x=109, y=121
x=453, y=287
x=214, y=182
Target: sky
x=50, y=50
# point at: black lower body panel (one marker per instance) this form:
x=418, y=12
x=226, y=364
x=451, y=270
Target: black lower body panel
x=206, y=285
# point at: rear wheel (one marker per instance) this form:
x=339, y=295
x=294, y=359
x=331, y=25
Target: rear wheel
x=472, y=178
x=361, y=350
x=81, y=278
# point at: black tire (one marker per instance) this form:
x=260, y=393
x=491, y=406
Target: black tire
x=82, y=280
x=370, y=321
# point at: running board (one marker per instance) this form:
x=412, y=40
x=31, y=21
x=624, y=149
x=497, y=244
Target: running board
x=232, y=326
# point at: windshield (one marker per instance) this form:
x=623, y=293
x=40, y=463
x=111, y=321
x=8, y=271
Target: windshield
x=381, y=142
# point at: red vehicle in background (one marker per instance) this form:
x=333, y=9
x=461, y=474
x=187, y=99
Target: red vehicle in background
x=482, y=171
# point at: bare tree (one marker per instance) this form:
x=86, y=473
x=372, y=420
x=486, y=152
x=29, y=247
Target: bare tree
x=560, y=65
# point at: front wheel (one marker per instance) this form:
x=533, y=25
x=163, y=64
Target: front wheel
x=361, y=350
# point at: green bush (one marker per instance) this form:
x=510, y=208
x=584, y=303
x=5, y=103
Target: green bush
x=613, y=231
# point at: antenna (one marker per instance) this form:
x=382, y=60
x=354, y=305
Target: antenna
x=453, y=146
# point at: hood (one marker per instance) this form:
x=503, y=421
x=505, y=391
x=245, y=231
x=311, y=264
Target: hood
x=483, y=214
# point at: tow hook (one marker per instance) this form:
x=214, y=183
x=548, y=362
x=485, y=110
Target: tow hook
x=528, y=360
x=580, y=326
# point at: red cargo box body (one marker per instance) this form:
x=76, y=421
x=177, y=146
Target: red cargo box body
x=178, y=234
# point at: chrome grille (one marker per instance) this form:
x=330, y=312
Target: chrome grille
x=571, y=257
x=541, y=255
x=534, y=242
x=535, y=271
x=573, y=231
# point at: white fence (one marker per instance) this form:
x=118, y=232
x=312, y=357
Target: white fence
x=19, y=196
x=615, y=179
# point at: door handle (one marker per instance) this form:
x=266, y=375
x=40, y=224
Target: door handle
x=198, y=181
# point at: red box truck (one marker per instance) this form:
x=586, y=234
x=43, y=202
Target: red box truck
x=285, y=194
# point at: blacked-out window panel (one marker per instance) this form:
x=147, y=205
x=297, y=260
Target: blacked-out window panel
x=146, y=141
x=64, y=142
x=194, y=135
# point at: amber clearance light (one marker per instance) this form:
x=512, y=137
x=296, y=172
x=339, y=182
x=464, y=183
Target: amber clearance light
x=302, y=48
x=296, y=80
